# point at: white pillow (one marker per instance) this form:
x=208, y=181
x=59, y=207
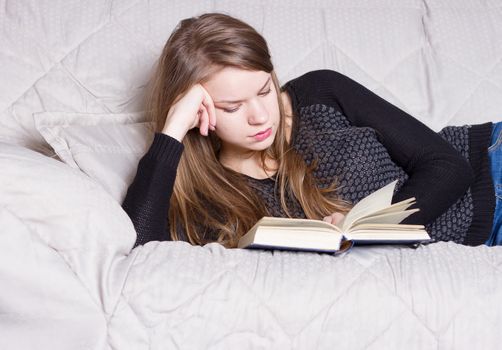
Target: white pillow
x=106, y=147
x=64, y=247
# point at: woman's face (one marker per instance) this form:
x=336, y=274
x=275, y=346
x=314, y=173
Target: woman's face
x=247, y=111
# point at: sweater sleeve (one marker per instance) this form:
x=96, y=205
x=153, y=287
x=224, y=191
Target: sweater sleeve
x=147, y=198
x=438, y=174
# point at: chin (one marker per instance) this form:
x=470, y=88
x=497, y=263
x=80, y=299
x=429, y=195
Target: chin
x=261, y=147
x=266, y=144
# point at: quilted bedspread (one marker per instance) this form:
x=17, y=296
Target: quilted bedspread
x=69, y=278
x=71, y=281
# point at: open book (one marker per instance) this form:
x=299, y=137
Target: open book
x=373, y=220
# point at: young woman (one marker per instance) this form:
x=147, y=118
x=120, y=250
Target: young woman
x=232, y=146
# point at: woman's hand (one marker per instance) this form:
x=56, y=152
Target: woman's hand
x=195, y=108
x=334, y=218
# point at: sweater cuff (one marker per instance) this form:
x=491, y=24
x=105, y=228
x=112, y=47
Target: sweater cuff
x=483, y=191
x=165, y=149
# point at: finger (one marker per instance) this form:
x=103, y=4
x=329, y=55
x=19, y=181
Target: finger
x=327, y=219
x=337, y=217
x=203, y=122
x=209, y=104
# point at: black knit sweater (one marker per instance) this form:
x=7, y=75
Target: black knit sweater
x=363, y=142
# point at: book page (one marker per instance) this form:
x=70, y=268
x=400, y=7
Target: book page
x=389, y=236
x=295, y=223
x=378, y=200
x=285, y=233
x=390, y=233
x=389, y=227
x=397, y=207
x=386, y=218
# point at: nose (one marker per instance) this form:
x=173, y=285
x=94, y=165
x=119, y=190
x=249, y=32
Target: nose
x=258, y=112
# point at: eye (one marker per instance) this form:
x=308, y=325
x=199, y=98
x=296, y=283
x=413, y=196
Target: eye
x=265, y=93
x=233, y=110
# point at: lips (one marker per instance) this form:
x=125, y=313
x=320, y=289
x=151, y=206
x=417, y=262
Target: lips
x=262, y=135
x=261, y=132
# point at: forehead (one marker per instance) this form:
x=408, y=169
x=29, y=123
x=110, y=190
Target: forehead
x=234, y=84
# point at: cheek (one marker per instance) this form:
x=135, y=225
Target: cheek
x=227, y=128
x=273, y=107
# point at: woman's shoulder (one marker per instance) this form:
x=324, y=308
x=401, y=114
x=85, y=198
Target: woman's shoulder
x=316, y=77
x=323, y=86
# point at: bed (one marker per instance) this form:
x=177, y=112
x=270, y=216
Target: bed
x=72, y=130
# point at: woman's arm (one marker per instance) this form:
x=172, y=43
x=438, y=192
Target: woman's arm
x=147, y=199
x=438, y=174
x=148, y=196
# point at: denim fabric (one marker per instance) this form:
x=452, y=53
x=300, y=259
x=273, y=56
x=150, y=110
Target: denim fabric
x=495, y=154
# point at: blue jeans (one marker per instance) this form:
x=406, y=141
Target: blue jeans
x=495, y=154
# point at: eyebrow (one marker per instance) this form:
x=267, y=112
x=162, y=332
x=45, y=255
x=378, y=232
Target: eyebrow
x=237, y=101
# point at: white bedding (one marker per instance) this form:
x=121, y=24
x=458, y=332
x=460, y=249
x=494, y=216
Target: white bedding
x=71, y=282
x=69, y=279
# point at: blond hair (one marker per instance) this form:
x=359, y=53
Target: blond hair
x=210, y=202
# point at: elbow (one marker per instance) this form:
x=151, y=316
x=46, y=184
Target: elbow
x=449, y=173
x=442, y=179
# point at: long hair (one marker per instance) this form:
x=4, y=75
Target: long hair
x=210, y=202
